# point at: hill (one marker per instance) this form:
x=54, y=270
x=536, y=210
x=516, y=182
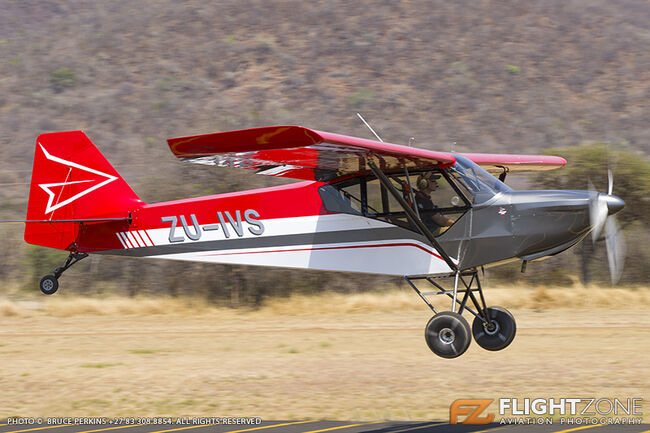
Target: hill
x=482, y=76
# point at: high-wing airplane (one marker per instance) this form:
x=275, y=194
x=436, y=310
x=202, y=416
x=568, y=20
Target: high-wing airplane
x=364, y=206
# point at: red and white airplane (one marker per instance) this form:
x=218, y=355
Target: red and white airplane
x=363, y=206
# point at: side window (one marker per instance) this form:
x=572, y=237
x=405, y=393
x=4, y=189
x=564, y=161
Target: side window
x=352, y=195
x=380, y=201
x=440, y=191
x=437, y=202
x=339, y=200
x=375, y=202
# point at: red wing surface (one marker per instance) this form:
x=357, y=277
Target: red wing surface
x=495, y=162
x=300, y=153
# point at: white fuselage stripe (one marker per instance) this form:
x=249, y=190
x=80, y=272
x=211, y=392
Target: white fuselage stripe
x=145, y=238
x=391, y=257
x=338, y=242
x=121, y=241
x=133, y=240
x=138, y=238
x=126, y=239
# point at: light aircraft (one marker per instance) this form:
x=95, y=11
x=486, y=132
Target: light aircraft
x=364, y=206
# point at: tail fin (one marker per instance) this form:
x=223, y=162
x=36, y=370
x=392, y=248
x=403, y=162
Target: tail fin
x=71, y=180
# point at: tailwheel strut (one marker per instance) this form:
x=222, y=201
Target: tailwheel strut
x=448, y=334
x=49, y=284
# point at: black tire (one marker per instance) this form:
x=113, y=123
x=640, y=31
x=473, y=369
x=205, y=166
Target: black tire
x=49, y=284
x=501, y=335
x=448, y=334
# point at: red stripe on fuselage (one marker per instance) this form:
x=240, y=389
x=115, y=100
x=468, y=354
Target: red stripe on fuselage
x=126, y=239
x=133, y=240
x=138, y=239
x=148, y=237
x=332, y=248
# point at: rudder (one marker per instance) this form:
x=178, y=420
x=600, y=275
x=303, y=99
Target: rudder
x=71, y=180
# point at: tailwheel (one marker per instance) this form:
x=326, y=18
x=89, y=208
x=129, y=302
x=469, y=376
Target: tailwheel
x=49, y=284
x=448, y=334
x=496, y=334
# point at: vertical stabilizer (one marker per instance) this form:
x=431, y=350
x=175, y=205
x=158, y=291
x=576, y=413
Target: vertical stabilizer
x=71, y=180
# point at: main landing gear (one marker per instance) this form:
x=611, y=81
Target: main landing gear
x=50, y=283
x=448, y=334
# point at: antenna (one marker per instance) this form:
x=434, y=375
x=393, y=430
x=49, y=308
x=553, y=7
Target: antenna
x=369, y=127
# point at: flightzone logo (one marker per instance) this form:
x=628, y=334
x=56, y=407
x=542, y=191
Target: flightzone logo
x=471, y=409
x=570, y=411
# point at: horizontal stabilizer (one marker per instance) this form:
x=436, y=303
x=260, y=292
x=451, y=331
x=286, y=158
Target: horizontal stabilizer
x=86, y=220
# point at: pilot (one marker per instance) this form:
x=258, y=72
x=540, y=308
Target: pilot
x=431, y=216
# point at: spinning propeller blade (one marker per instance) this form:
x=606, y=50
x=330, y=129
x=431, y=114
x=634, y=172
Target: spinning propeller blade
x=601, y=213
x=615, y=249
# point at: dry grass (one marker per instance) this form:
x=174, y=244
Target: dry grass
x=579, y=298
x=78, y=306
x=387, y=300
x=330, y=356
x=9, y=309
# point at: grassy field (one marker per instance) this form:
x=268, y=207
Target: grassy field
x=328, y=357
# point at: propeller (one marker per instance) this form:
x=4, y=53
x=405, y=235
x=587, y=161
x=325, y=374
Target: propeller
x=601, y=214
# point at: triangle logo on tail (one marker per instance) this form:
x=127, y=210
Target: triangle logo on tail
x=53, y=201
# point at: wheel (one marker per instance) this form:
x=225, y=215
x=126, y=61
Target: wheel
x=448, y=334
x=49, y=284
x=500, y=334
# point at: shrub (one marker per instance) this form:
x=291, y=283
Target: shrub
x=513, y=69
x=61, y=79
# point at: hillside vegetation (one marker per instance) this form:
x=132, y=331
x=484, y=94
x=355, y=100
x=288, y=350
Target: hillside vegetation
x=469, y=75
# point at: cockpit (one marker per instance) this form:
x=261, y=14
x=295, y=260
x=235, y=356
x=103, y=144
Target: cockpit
x=438, y=196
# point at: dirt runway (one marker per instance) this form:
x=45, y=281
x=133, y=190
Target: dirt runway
x=347, y=366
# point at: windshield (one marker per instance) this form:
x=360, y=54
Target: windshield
x=480, y=184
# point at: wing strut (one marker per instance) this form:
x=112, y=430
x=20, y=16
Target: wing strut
x=411, y=215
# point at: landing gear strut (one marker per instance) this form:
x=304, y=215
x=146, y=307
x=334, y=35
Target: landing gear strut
x=448, y=334
x=50, y=283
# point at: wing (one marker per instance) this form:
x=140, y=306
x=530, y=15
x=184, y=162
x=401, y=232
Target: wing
x=301, y=153
x=495, y=163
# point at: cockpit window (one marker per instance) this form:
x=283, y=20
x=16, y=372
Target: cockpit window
x=477, y=182
x=431, y=194
x=343, y=200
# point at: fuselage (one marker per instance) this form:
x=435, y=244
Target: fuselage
x=286, y=226
x=296, y=226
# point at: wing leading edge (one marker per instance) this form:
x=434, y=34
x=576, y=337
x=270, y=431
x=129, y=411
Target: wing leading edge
x=496, y=163
x=301, y=153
